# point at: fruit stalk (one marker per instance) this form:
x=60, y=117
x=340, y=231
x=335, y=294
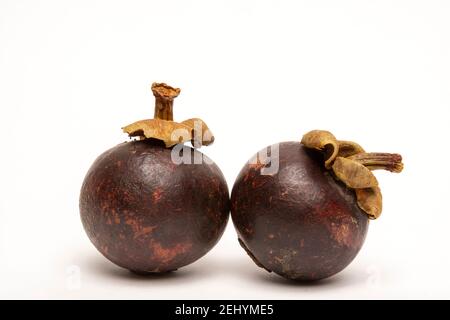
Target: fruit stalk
x=164, y=96
x=380, y=161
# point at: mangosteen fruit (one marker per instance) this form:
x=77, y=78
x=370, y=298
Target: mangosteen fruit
x=302, y=210
x=154, y=205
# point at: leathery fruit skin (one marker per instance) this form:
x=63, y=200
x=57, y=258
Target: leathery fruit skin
x=299, y=222
x=149, y=215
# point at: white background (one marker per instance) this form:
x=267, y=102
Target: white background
x=72, y=73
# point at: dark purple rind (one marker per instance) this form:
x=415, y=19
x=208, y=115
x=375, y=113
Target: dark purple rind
x=149, y=215
x=300, y=222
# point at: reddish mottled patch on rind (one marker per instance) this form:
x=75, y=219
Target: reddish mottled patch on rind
x=165, y=255
x=256, y=166
x=144, y=231
x=157, y=195
x=342, y=234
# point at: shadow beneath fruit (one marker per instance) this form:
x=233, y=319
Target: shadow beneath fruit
x=98, y=266
x=247, y=270
x=219, y=267
x=336, y=281
x=341, y=280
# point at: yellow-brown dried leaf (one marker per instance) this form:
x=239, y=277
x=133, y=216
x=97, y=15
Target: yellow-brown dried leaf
x=201, y=134
x=371, y=201
x=353, y=174
x=170, y=132
x=324, y=141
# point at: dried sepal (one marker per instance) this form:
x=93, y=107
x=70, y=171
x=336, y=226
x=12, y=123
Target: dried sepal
x=201, y=134
x=170, y=132
x=349, y=148
x=353, y=174
x=371, y=201
x=324, y=141
x=353, y=166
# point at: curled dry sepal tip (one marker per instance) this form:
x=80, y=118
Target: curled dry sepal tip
x=352, y=165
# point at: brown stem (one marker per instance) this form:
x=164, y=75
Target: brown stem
x=164, y=95
x=380, y=161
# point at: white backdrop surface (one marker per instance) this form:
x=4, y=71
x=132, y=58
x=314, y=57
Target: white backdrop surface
x=72, y=73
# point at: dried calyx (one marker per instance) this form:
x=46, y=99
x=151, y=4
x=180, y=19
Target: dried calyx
x=353, y=166
x=162, y=127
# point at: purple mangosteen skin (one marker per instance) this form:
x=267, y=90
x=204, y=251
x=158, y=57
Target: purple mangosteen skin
x=149, y=215
x=299, y=222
